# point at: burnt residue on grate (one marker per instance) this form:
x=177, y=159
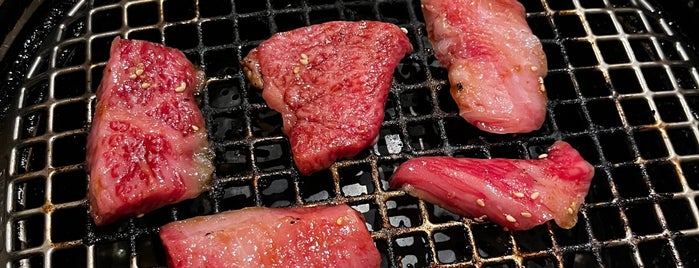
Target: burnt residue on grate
x=622, y=90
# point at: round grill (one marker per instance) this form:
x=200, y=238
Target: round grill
x=622, y=85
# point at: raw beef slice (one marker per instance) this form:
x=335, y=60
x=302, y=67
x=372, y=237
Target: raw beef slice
x=330, y=83
x=148, y=145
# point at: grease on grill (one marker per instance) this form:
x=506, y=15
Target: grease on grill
x=627, y=116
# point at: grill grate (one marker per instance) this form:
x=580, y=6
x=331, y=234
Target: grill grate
x=623, y=90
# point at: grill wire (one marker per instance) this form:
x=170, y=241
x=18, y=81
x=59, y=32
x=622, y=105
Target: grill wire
x=623, y=90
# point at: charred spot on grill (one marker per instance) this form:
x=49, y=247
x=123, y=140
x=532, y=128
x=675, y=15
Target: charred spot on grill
x=459, y=86
x=207, y=234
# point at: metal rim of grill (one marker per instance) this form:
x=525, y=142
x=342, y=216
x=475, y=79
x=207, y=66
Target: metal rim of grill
x=623, y=89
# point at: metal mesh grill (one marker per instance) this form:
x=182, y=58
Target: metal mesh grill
x=623, y=90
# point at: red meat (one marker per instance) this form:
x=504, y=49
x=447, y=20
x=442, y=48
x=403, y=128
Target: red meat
x=517, y=194
x=330, y=83
x=147, y=146
x=496, y=65
x=261, y=237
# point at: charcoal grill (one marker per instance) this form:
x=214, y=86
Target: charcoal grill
x=623, y=89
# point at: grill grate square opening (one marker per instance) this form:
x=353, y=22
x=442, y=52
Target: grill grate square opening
x=642, y=219
x=592, y=83
x=232, y=161
x=371, y=214
x=631, y=22
x=180, y=36
x=391, y=108
x=616, y=147
x=644, y=50
x=360, y=11
x=36, y=93
x=560, y=86
x=99, y=3
x=437, y=72
x=318, y=16
x=228, y=127
x=650, y=144
x=225, y=93
x=412, y=250
x=690, y=170
x=424, y=135
x=403, y=211
x=152, y=35
x=29, y=261
x=534, y=240
x=199, y=206
x=112, y=254
x=69, y=150
x=657, y=79
x=491, y=240
x=410, y=71
x=156, y=218
x=213, y=8
x=34, y=124
x=683, y=141
x=237, y=195
x=685, y=246
x=656, y=253
x=390, y=141
x=317, y=187
x=29, y=232
x=619, y=256
x=569, y=26
x=356, y=180
x=99, y=52
x=606, y=223
x=670, y=109
x=541, y=27
x=253, y=28
x=604, y=113
x=382, y=246
x=600, y=191
x=416, y=102
x=629, y=181
x=110, y=19
x=150, y=252
x=664, y=178
x=678, y=214
x=511, y=151
x=386, y=169
x=68, y=224
x=245, y=6
x=289, y=21
x=71, y=55
x=271, y=156
x=437, y=214
x=70, y=116
x=142, y=14
x=70, y=257
x=452, y=246
x=476, y=152
x=580, y=259
x=625, y=81
x=30, y=158
x=600, y=23
x=570, y=117
x=68, y=186
x=221, y=63
x=394, y=12
x=613, y=52
x=541, y=262
x=217, y=32
x=459, y=132
x=446, y=102
x=498, y=264
x=175, y=10
x=277, y=191
x=554, y=56
x=637, y=112
x=580, y=53
x=28, y=194
x=69, y=85
x=560, y=5
x=287, y=4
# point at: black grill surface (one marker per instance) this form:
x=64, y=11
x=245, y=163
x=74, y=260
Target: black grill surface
x=623, y=90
